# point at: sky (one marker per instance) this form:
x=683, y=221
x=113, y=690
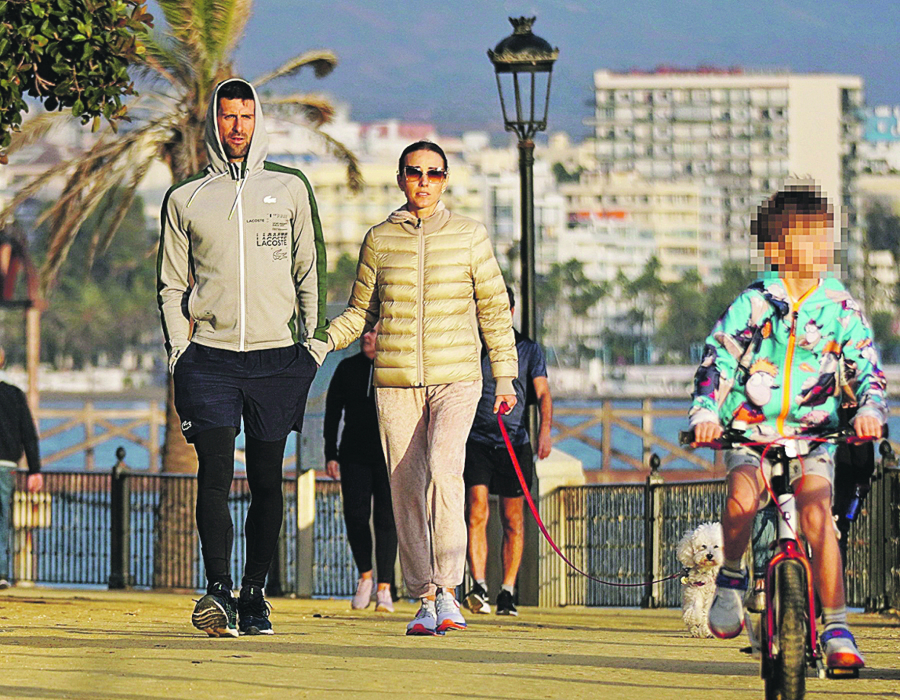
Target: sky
x=427, y=61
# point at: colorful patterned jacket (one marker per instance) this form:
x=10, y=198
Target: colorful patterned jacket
x=780, y=367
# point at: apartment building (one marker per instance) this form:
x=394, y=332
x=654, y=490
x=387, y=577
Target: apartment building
x=680, y=222
x=744, y=133
x=880, y=147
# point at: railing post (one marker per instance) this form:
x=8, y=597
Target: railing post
x=652, y=535
x=120, y=525
x=892, y=487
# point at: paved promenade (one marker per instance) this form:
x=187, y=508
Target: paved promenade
x=125, y=646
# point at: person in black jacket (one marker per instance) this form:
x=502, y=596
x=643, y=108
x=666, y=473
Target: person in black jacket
x=360, y=465
x=17, y=436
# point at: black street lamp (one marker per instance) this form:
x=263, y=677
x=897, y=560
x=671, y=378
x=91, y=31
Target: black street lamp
x=524, y=62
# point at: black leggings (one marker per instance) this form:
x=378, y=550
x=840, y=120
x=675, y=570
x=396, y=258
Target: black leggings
x=360, y=483
x=215, y=452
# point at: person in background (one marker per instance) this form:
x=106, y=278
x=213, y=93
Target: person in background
x=489, y=470
x=359, y=464
x=18, y=436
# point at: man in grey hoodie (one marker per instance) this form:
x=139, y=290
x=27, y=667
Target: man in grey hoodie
x=241, y=290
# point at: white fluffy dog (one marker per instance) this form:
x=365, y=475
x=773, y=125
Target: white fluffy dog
x=700, y=550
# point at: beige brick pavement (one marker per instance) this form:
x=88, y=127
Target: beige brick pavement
x=129, y=645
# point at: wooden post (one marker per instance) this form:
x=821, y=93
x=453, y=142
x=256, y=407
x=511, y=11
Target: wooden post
x=606, y=438
x=647, y=427
x=157, y=420
x=33, y=354
x=89, y=435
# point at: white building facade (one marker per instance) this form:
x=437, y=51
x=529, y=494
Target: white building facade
x=744, y=133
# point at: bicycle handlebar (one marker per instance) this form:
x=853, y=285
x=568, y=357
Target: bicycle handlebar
x=730, y=438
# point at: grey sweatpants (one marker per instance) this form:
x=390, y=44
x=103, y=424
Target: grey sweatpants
x=423, y=433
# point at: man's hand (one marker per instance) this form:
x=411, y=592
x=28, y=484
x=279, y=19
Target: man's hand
x=333, y=469
x=174, y=354
x=508, y=399
x=318, y=349
x=706, y=432
x=35, y=482
x=867, y=427
x=544, y=443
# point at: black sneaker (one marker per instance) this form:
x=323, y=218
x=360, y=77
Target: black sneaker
x=476, y=600
x=216, y=612
x=505, y=604
x=253, y=612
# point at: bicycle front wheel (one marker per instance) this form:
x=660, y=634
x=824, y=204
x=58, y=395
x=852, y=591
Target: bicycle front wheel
x=787, y=677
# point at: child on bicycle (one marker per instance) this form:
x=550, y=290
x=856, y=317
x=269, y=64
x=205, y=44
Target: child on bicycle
x=771, y=368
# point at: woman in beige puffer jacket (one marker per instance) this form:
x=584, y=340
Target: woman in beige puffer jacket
x=430, y=280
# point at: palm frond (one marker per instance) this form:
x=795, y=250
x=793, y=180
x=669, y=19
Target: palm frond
x=139, y=172
x=317, y=109
x=181, y=18
x=36, y=128
x=321, y=61
x=91, y=176
x=168, y=59
x=354, y=175
x=224, y=22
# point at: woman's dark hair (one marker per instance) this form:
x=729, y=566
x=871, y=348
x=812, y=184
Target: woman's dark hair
x=235, y=90
x=512, y=297
x=775, y=214
x=422, y=146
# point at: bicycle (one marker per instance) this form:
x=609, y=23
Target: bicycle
x=788, y=641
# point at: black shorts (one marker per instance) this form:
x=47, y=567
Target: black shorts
x=215, y=388
x=491, y=466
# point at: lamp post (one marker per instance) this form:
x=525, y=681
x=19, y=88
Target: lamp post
x=523, y=63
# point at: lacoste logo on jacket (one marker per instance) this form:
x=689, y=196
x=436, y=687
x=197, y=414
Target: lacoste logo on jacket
x=269, y=199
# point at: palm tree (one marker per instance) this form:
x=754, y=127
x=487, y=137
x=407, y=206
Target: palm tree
x=180, y=67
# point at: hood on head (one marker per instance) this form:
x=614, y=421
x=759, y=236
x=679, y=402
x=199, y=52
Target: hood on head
x=259, y=144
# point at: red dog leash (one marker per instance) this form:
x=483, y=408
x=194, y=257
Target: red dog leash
x=504, y=408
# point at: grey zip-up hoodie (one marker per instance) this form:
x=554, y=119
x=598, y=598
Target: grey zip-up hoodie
x=249, y=233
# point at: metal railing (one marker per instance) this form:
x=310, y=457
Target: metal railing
x=137, y=529
x=122, y=529
x=627, y=534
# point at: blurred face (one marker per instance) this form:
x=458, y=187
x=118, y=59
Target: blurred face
x=423, y=180
x=368, y=344
x=806, y=249
x=236, y=120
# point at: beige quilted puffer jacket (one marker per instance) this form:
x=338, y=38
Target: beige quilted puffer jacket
x=432, y=283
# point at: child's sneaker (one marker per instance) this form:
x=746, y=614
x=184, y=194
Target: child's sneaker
x=363, y=595
x=476, y=600
x=840, y=649
x=425, y=621
x=383, y=601
x=448, y=615
x=726, y=614
x=216, y=612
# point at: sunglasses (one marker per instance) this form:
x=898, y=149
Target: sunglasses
x=413, y=173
